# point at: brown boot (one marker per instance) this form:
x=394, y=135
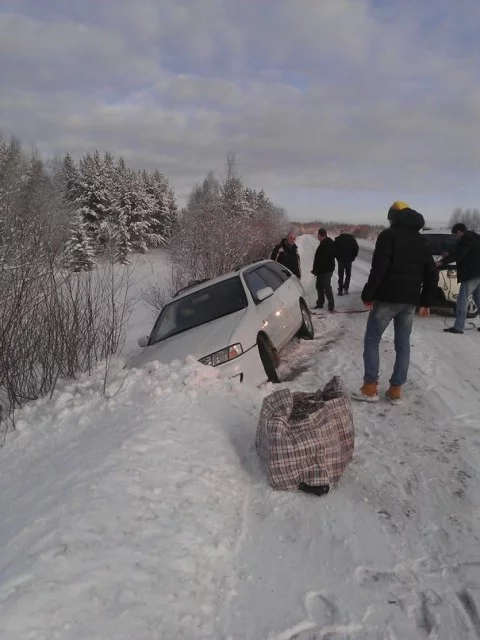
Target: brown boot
x=394, y=393
x=368, y=393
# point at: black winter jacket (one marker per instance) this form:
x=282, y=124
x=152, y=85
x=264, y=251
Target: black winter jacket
x=403, y=269
x=346, y=248
x=324, y=261
x=467, y=257
x=287, y=255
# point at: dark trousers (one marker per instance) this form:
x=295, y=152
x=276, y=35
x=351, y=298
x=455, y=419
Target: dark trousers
x=324, y=289
x=344, y=275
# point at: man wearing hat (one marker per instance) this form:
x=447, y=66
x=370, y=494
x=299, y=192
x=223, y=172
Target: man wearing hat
x=467, y=257
x=403, y=276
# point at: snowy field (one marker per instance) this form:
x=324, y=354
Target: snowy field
x=145, y=515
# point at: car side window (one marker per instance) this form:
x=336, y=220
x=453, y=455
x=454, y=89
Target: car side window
x=272, y=279
x=279, y=270
x=255, y=282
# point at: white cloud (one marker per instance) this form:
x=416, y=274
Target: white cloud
x=327, y=94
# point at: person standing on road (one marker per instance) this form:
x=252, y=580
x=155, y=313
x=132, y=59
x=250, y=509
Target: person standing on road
x=346, y=251
x=286, y=252
x=403, y=276
x=323, y=268
x=467, y=256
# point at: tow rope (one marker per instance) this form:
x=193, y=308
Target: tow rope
x=321, y=312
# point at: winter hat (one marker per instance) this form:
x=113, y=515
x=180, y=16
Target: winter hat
x=400, y=214
x=398, y=205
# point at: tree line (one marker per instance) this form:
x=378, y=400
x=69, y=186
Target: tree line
x=115, y=208
x=66, y=231
x=469, y=217
x=224, y=225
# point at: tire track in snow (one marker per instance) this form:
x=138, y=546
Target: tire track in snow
x=388, y=541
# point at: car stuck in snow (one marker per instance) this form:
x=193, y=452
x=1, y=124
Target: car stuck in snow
x=238, y=322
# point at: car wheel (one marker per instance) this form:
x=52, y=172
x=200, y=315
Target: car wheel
x=472, y=309
x=306, y=331
x=268, y=358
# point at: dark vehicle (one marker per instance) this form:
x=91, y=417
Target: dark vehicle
x=441, y=242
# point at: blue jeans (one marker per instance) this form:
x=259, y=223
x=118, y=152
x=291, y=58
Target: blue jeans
x=467, y=289
x=378, y=320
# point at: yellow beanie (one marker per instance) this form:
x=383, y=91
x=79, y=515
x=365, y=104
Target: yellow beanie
x=398, y=205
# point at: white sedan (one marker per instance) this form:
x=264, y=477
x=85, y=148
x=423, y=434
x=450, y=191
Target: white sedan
x=238, y=322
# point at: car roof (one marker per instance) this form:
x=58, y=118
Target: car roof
x=441, y=231
x=198, y=286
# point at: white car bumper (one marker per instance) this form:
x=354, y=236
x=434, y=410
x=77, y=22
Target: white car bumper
x=246, y=368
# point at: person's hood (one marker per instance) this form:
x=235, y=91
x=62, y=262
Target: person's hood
x=406, y=217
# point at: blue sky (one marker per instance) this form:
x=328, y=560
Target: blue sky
x=335, y=107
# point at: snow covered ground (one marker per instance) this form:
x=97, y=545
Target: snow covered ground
x=145, y=270
x=145, y=515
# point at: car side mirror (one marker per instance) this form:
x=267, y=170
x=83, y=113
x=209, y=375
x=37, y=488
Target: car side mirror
x=143, y=341
x=264, y=293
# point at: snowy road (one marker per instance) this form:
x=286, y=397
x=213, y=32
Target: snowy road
x=146, y=516
x=393, y=552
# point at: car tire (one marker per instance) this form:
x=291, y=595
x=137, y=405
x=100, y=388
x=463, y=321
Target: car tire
x=472, y=310
x=306, y=331
x=268, y=358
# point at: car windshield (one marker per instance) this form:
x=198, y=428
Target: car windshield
x=200, y=307
x=440, y=242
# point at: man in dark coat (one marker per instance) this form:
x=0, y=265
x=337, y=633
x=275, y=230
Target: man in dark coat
x=286, y=252
x=323, y=268
x=467, y=257
x=403, y=276
x=346, y=251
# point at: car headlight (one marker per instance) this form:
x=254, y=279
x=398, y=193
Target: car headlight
x=222, y=356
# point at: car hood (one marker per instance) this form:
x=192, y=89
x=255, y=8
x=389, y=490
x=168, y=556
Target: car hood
x=197, y=342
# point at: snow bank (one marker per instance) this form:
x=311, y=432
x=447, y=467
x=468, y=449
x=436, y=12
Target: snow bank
x=145, y=515
x=120, y=514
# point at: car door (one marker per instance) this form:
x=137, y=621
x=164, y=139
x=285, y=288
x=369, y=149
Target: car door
x=290, y=294
x=269, y=312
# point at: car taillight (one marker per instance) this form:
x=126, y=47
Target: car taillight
x=223, y=355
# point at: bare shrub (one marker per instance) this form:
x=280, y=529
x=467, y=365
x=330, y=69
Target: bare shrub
x=58, y=325
x=224, y=226
x=53, y=323
x=159, y=292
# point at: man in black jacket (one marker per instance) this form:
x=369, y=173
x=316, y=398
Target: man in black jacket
x=323, y=268
x=467, y=257
x=403, y=276
x=286, y=252
x=346, y=251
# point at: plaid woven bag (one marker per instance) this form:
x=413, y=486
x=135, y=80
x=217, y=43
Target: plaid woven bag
x=306, y=437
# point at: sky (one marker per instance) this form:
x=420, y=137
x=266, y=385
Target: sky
x=335, y=107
